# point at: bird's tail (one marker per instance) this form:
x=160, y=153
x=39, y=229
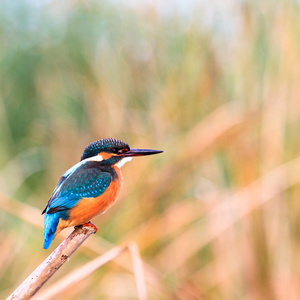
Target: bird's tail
x=50, y=225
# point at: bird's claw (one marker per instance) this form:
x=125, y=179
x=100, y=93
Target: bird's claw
x=89, y=224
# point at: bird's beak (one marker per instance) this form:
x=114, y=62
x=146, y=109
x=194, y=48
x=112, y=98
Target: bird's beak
x=141, y=152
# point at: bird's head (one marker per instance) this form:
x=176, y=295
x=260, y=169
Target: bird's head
x=113, y=152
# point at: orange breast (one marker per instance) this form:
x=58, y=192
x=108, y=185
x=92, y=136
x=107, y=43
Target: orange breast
x=89, y=208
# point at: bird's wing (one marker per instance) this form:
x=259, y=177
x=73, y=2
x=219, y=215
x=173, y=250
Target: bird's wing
x=83, y=183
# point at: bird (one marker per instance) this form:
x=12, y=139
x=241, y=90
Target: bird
x=89, y=188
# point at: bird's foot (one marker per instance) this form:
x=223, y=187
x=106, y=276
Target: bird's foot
x=90, y=224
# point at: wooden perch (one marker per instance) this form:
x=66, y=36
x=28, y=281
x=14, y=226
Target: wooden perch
x=51, y=264
x=82, y=272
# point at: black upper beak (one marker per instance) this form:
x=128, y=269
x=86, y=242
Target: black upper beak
x=141, y=152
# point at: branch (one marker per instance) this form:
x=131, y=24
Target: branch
x=82, y=272
x=51, y=264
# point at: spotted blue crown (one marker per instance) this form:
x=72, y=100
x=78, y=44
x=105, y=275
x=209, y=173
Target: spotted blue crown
x=104, y=145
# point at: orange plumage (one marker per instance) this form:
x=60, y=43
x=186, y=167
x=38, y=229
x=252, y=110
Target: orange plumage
x=88, y=208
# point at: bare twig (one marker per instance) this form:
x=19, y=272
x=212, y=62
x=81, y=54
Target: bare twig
x=51, y=264
x=22, y=211
x=84, y=271
x=79, y=274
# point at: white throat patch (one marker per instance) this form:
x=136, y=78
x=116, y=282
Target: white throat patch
x=122, y=162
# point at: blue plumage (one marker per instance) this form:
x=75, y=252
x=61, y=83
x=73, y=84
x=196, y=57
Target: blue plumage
x=83, y=183
x=84, y=180
x=50, y=225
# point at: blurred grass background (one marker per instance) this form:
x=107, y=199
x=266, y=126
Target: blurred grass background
x=215, y=85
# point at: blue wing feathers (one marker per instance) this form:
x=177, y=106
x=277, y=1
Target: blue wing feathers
x=81, y=183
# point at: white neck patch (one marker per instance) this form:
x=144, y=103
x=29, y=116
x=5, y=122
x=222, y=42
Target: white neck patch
x=119, y=164
x=122, y=162
x=95, y=158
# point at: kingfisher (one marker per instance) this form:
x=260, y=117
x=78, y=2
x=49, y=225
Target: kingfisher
x=89, y=188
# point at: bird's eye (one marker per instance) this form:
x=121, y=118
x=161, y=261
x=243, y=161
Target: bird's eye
x=118, y=151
